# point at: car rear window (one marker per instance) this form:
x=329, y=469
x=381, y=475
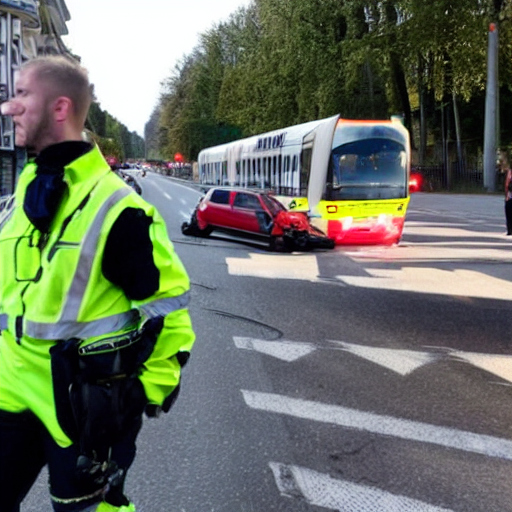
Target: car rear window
x=220, y=196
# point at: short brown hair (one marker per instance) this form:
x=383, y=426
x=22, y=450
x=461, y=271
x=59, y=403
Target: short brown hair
x=66, y=78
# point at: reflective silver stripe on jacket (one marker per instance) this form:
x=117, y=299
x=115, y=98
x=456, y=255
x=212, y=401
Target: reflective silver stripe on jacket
x=3, y=322
x=68, y=325
x=89, y=247
x=162, y=307
x=72, y=329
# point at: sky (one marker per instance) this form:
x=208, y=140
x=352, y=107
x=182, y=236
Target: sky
x=130, y=46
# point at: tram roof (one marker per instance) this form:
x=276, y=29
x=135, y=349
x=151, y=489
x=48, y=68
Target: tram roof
x=294, y=135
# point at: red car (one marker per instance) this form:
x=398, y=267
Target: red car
x=256, y=215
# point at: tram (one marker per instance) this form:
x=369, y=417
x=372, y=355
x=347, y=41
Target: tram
x=350, y=176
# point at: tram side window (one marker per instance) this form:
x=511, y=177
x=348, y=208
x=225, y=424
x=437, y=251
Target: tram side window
x=287, y=180
x=268, y=173
x=224, y=178
x=295, y=184
x=254, y=173
x=305, y=170
x=279, y=180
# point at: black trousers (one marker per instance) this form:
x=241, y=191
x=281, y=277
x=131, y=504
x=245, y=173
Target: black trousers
x=508, y=215
x=26, y=447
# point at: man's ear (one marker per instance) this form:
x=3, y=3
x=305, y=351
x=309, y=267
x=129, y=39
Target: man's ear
x=62, y=109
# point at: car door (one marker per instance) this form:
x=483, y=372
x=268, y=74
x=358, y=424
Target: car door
x=218, y=210
x=245, y=206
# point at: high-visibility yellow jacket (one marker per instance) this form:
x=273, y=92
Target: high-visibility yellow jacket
x=52, y=288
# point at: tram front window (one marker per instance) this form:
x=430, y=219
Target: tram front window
x=368, y=169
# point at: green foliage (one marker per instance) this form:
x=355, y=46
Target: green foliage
x=112, y=136
x=282, y=62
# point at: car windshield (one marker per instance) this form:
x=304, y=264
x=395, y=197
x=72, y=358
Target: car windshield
x=273, y=205
x=368, y=169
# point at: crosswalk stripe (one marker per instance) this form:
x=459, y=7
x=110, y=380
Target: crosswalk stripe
x=459, y=282
x=275, y=266
x=324, y=491
x=379, y=424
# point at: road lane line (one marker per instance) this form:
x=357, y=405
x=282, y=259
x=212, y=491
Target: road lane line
x=379, y=424
x=322, y=490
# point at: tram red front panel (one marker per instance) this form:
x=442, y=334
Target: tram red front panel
x=367, y=232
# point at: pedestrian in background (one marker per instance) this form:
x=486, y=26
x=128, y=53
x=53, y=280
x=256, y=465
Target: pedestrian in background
x=93, y=306
x=505, y=167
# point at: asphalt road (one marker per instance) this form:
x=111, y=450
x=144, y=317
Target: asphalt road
x=359, y=379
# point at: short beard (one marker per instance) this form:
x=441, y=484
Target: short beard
x=39, y=133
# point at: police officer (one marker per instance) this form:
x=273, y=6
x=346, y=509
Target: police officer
x=93, y=306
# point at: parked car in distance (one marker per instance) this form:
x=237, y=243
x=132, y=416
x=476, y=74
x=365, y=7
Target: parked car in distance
x=256, y=215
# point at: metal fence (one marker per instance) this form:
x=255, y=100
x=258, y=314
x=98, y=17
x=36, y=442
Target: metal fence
x=439, y=178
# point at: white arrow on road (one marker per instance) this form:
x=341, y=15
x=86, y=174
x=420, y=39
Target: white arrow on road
x=285, y=350
x=400, y=361
x=379, y=424
x=500, y=365
x=324, y=491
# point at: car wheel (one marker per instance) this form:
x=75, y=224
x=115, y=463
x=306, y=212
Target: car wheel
x=192, y=228
x=205, y=232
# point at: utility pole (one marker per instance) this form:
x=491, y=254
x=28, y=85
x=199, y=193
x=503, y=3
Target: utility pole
x=491, y=110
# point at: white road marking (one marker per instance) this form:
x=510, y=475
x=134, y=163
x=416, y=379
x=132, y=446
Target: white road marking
x=167, y=195
x=275, y=266
x=433, y=252
x=448, y=231
x=379, y=424
x=459, y=282
x=285, y=350
x=400, y=361
x=500, y=365
x=322, y=490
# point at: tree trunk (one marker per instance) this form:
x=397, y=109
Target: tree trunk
x=403, y=96
x=423, y=119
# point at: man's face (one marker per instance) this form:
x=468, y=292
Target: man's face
x=31, y=113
